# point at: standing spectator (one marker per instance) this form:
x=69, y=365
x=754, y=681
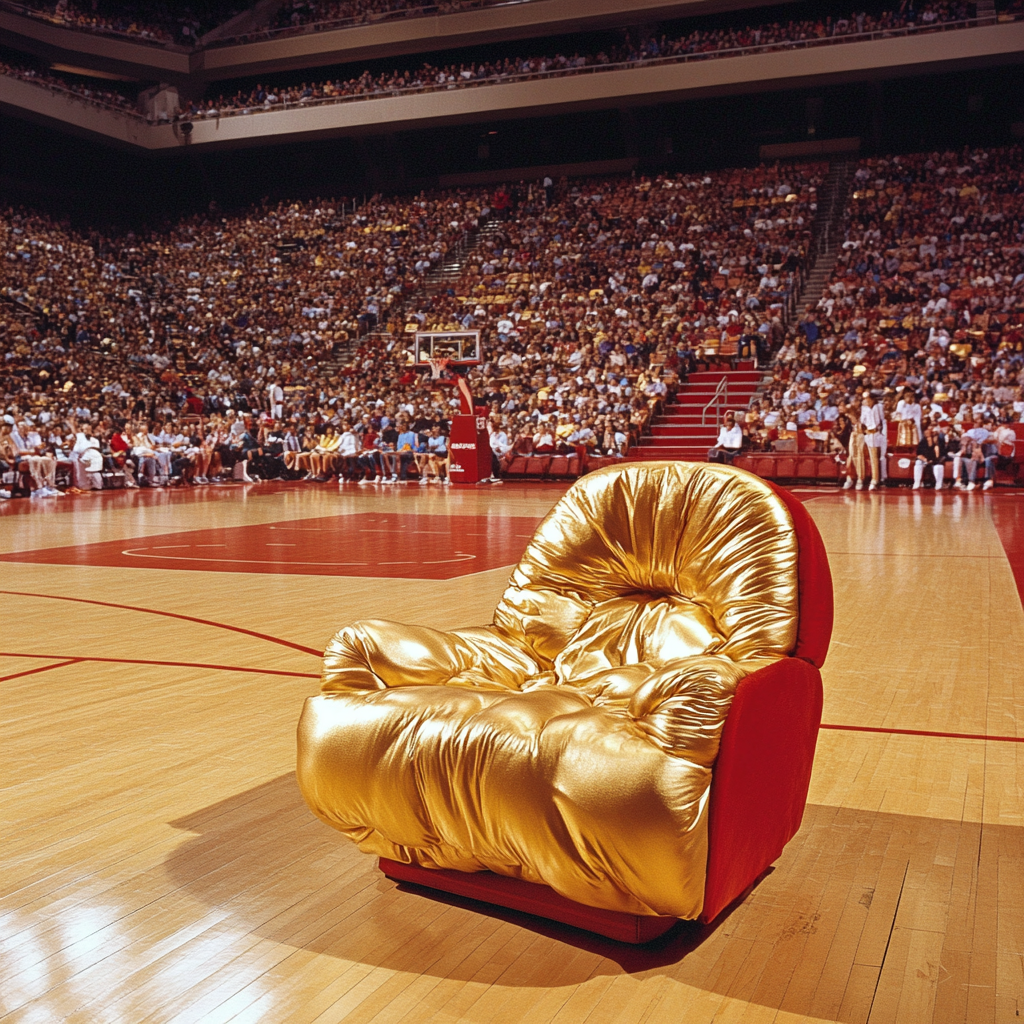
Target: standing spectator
x=872, y=418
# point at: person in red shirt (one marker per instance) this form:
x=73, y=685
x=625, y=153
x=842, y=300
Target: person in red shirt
x=120, y=448
x=367, y=459
x=502, y=203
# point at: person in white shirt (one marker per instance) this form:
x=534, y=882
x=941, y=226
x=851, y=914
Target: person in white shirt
x=275, y=400
x=908, y=415
x=872, y=418
x=28, y=449
x=347, y=452
x=88, y=461
x=729, y=443
x=500, y=446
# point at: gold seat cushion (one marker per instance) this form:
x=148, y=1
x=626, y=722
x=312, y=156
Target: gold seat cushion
x=572, y=741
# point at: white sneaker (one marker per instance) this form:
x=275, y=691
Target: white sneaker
x=423, y=481
x=848, y=484
x=378, y=480
x=988, y=485
x=4, y=494
x=364, y=481
x=859, y=485
x=446, y=481
x=916, y=486
x=394, y=478
x=872, y=486
x=972, y=486
x=958, y=485
x=938, y=487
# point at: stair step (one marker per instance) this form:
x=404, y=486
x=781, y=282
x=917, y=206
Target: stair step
x=684, y=430
x=732, y=375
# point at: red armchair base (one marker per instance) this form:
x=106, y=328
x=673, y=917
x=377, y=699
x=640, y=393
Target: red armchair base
x=530, y=898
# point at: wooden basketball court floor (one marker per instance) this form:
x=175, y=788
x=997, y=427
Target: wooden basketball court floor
x=158, y=863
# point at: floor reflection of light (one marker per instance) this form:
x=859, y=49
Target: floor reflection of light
x=74, y=956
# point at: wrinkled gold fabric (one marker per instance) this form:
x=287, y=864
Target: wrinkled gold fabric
x=572, y=741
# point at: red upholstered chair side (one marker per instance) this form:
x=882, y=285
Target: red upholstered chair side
x=763, y=771
x=814, y=580
x=761, y=777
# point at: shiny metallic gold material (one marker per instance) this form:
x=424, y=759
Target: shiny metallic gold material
x=571, y=742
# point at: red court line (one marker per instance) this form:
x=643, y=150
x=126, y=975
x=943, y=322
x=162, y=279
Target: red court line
x=170, y=664
x=925, y=732
x=313, y=675
x=171, y=615
x=42, y=668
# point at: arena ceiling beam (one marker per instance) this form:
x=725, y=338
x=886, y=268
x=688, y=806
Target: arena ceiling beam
x=637, y=86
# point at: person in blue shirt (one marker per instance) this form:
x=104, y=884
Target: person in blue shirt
x=406, y=447
x=437, y=447
x=422, y=456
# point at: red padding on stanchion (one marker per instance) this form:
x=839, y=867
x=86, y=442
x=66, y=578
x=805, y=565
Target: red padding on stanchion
x=539, y=900
x=761, y=777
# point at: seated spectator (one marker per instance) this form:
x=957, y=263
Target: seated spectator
x=931, y=452
x=730, y=441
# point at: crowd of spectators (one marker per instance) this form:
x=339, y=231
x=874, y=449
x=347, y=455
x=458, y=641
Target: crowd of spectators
x=278, y=342
x=135, y=327
x=587, y=294
x=696, y=44
x=920, y=325
x=598, y=296
x=155, y=22
x=300, y=15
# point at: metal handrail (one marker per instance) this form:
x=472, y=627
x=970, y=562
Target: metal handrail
x=720, y=396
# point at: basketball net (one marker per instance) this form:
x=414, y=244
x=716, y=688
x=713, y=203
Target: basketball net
x=437, y=367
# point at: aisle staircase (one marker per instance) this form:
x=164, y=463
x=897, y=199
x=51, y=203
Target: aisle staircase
x=689, y=425
x=828, y=228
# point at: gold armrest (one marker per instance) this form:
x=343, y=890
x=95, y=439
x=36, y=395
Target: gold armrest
x=376, y=654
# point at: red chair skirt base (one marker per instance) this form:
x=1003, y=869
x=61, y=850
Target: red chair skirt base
x=530, y=898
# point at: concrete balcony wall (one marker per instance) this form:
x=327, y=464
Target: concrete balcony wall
x=843, y=62
x=314, y=49
x=94, y=50
x=467, y=28
x=74, y=114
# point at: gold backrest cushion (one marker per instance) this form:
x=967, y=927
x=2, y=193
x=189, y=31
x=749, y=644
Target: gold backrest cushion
x=652, y=562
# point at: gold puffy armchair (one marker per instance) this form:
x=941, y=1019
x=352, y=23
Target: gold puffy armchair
x=573, y=743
